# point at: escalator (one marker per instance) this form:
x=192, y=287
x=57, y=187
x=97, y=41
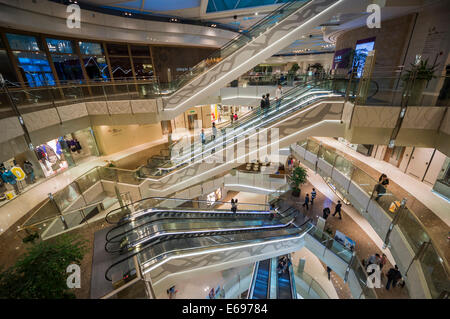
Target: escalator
x=260, y=285
x=198, y=158
x=146, y=217
x=271, y=280
x=250, y=48
x=285, y=282
x=162, y=229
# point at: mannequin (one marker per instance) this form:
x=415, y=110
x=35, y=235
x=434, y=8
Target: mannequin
x=10, y=178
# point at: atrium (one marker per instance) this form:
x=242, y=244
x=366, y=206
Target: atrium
x=224, y=149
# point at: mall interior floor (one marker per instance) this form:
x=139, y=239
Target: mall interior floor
x=365, y=246
x=418, y=194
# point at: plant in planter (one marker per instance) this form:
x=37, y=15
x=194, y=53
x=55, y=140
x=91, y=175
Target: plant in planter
x=298, y=178
x=416, y=79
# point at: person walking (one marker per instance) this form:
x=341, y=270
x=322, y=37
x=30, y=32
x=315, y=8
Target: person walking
x=393, y=276
x=231, y=117
x=325, y=213
x=337, y=210
x=329, y=272
x=313, y=195
x=214, y=131
x=306, y=203
x=278, y=94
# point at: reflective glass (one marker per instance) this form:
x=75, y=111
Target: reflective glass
x=35, y=68
x=90, y=48
x=22, y=42
x=96, y=67
x=59, y=46
x=67, y=67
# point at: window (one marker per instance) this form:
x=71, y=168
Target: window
x=35, y=68
x=117, y=49
x=91, y=48
x=23, y=42
x=143, y=67
x=121, y=67
x=67, y=67
x=59, y=46
x=139, y=50
x=6, y=68
x=96, y=67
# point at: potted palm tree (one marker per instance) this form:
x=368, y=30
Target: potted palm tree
x=416, y=79
x=298, y=178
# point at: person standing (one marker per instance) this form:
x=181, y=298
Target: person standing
x=383, y=182
x=262, y=104
x=329, y=272
x=214, y=131
x=393, y=276
x=231, y=117
x=234, y=206
x=306, y=203
x=267, y=107
x=278, y=94
x=313, y=195
x=202, y=136
x=383, y=261
x=337, y=210
x=28, y=169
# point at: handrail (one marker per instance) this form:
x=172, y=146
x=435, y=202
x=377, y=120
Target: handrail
x=134, y=253
x=172, y=199
x=438, y=250
x=413, y=214
x=217, y=54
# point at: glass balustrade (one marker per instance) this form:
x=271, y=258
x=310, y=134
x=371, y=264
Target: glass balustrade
x=434, y=266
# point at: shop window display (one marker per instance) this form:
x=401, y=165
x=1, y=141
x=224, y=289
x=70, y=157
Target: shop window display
x=13, y=179
x=53, y=157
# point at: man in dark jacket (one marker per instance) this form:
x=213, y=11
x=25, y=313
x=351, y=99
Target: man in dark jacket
x=393, y=276
x=337, y=210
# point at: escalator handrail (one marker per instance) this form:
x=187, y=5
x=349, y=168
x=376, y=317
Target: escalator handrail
x=292, y=278
x=166, y=198
x=225, y=213
x=256, y=111
x=251, y=289
x=131, y=255
x=206, y=150
x=216, y=53
x=161, y=233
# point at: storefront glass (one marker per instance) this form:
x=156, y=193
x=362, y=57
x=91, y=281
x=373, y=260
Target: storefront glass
x=66, y=151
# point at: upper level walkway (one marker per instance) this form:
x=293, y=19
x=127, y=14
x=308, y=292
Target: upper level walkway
x=434, y=210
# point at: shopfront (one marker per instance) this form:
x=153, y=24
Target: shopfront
x=66, y=151
x=48, y=159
